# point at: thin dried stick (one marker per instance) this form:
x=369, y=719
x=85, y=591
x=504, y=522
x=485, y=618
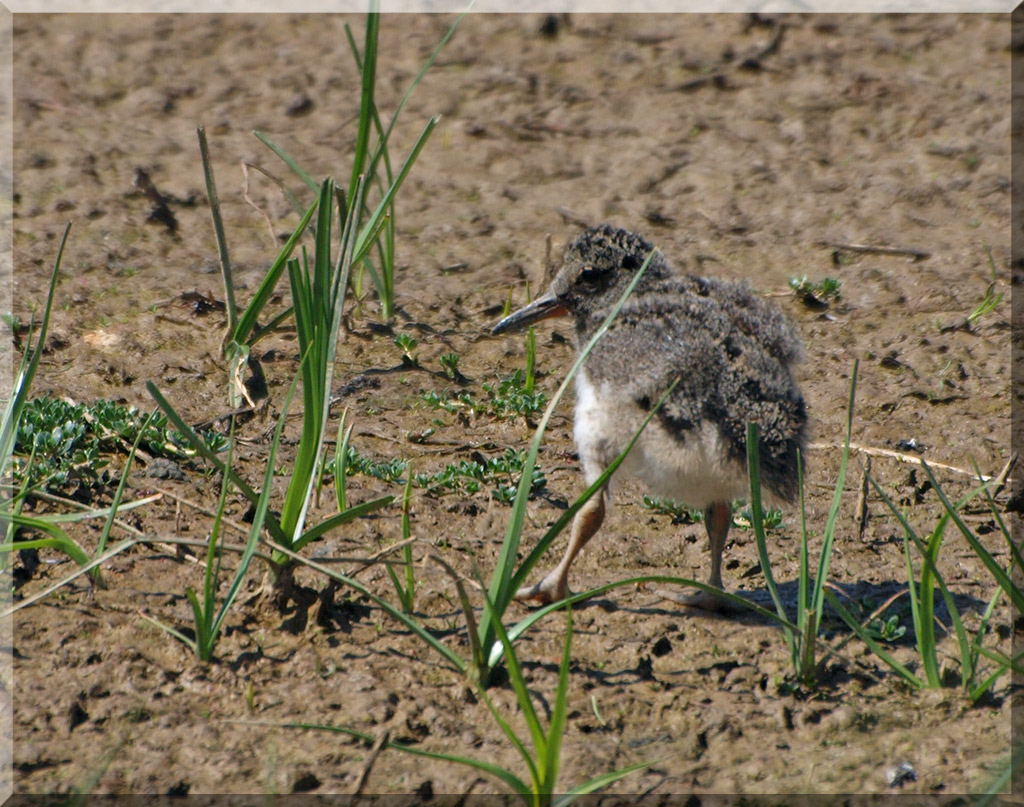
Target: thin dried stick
x=364, y=774
x=901, y=457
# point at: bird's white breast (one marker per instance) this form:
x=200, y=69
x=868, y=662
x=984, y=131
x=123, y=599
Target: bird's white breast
x=691, y=468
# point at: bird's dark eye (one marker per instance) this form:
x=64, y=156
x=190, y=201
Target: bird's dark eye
x=590, y=275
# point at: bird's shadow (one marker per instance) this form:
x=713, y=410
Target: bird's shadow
x=861, y=599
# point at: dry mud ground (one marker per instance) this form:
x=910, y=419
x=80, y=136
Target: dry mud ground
x=879, y=130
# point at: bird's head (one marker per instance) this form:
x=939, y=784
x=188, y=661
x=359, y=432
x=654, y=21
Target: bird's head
x=596, y=268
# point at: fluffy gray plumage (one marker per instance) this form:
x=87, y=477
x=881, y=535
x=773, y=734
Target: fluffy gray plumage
x=730, y=349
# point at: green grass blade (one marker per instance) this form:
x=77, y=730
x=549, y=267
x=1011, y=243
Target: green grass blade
x=329, y=523
x=490, y=768
x=410, y=570
x=202, y=646
x=395, y=613
x=210, y=456
x=559, y=711
x=288, y=160
x=58, y=538
x=757, y=521
x=804, y=607
x=30, y=363
x=368, y=234
x=97, y=561
x=921, y=630
x=599, y=782
x=115, y=504
x=500, y=591
x=368, y=74
x=246, y=326
x=1015, y=594
x=930, y=573
x=218, y=229
x=817, y=603
x=515, y=675
x=344, y=435
x=177, y=634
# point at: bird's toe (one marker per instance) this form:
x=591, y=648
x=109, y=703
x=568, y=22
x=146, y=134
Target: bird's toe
x=542, y=593
x=704, y=600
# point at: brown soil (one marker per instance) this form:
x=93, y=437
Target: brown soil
x=880, y=130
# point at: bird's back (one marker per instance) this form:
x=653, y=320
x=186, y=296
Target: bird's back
x=731, y=352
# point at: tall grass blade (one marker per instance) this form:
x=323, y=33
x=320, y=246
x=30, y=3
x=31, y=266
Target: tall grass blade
x=510, y=779
x=757, y=520
x=825, y=558
x=500, y=591
x=30, y=363
x=218, y=229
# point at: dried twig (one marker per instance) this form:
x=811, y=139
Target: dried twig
x=901, y=457
x=364, y=774
x=869, y=249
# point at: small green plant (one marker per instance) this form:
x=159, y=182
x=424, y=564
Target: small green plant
x=991, y=300
x=207, y=617
x=406, y=591
x=886, y=630
x=407, y=344
x=819, y=294
x=352, y=463
x=680, y=513
x=470, y=476
x=742, y=517
x=450, y=365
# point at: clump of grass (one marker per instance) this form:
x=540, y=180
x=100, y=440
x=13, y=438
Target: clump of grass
x=811, y=592
x=971, y=678
x=208, y=618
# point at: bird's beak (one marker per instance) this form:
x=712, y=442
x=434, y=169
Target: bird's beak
x=547, y=305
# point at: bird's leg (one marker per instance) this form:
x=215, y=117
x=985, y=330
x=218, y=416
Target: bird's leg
x=717, y=520
x=554, y=586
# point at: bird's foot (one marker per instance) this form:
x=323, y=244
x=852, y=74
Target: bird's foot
x=705, y=600
x=546, y=591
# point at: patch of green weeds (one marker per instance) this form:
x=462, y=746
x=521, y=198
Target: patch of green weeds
x=683, y=514
x=819, y=294
x=472, y=476
x=506, y=397
x=499, y=475
x=67, y=439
